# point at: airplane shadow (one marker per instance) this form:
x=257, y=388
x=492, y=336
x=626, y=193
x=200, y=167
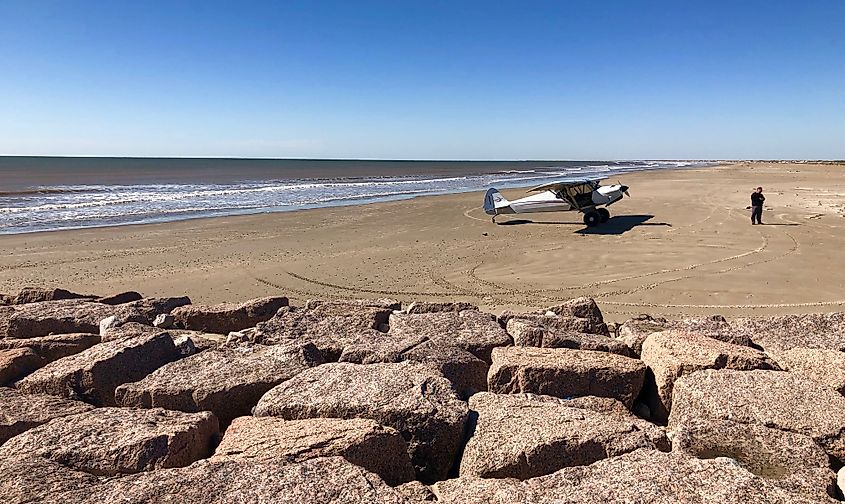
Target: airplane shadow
x=620, y=224
x=520, y=222
x=617, y=225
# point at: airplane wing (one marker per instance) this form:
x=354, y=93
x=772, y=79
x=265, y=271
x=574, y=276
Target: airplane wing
x=558, y=186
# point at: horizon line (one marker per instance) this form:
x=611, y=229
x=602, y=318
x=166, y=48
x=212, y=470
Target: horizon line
x=407, y=160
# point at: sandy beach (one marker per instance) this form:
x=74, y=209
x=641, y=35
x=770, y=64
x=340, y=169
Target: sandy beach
x=682, y=244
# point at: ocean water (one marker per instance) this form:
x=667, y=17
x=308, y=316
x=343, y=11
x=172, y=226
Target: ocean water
x=46, y=194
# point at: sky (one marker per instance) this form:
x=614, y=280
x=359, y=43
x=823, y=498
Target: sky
x=394, y=79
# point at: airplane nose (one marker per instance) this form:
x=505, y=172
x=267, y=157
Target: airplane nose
x=624, y=189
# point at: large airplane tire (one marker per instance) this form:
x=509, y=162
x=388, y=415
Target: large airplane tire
x=592, y=219
x=604, y=213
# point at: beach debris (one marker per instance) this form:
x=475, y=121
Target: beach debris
x=225, y=381
x=774, y=399
x=409, y=397
x=563, y=372
x=108, y=323
x=184, y=345
x=363, y=442
x=164, y=321
x=115, y=441
x=671, y=354
x=227, y=317
x=524, y=435
x=93, y=374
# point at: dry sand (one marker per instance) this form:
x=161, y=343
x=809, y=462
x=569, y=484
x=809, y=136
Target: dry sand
x=682, y=244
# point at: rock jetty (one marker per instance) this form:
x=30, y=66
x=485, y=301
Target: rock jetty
x=119, y=397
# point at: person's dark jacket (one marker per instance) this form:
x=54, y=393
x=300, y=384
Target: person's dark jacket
x=757, y=199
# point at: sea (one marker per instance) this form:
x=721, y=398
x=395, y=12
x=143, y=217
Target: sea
x=58, y=193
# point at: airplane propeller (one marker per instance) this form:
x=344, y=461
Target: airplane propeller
x=624, y=189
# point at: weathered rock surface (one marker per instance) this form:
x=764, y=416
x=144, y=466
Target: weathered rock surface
x=53, y=347
x=93, y=374
x=329, y=326
x=467, y=372
x=17, y=363
x=324, y=480
x=642, y=476
x=21, y=412
x=671, y=354
x=474, y=331
x=38, y=294
x=576, y=315
x=785, y=332
x=201, y=340
x=416, y=492
x=533, y=332
x=635, y=331
x=227, y=317
x=426, y=307
x=112, y=441
x=384, y=303
x=768, y=453
x=226, y=381
x=524, y=435
x=63, y=317
x=818, y=364
x=30, y=479
x=562, y=372
x=378, y=449
x=152, y=307
x=411, y=398
x=773, y=399
x=582, y=307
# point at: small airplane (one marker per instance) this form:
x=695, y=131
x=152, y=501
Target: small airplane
x=585, y=196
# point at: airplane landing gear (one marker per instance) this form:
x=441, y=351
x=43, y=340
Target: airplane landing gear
x=604, y=214
x=592, y=218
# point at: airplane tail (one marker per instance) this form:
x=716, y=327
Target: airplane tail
x=493, y=201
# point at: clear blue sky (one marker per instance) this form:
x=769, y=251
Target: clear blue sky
x=425, y=79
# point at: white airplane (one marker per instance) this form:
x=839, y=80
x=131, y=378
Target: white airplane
x=585, y=196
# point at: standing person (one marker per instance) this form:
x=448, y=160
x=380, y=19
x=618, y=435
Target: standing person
x=757, y=200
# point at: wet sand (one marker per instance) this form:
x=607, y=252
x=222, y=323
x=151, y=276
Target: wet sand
x=682, y=244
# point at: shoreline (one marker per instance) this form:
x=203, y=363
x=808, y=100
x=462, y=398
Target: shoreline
x=680, y=245
x=352, y=201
